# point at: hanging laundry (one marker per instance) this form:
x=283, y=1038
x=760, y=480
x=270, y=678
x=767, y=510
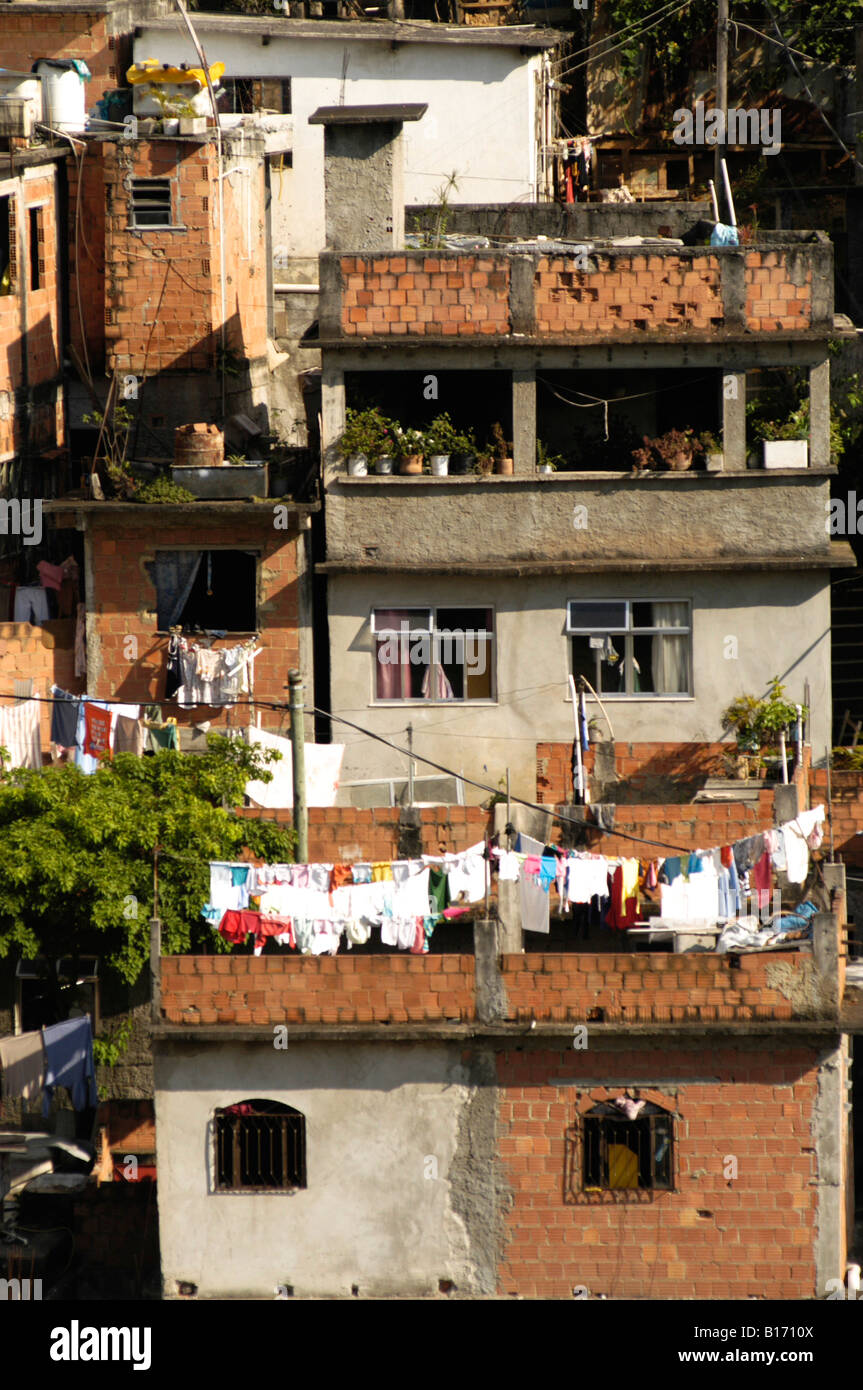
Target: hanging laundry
x=19, y=734
x=97, y=732
x=535, y=904
x=69, y=1062
x=323, y=769
x=23, y=1062
x=623, y=909
x=130, y=736
x=31, y=605
x=64, y=720
x=761, y=879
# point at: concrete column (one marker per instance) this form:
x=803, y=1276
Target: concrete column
x=491, y=1002
x=510, y=939
x=829, y=1133
x=825, y=952
x=786, y=803
x=734, y=421
x=332, y=418
x=819, y=415
x=524, y=421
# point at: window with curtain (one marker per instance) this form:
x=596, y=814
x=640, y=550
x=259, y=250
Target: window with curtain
x=202, y=590
x=433, y=653
x=627, y=647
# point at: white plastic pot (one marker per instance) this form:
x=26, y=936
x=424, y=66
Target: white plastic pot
x=439, y=464
x=786, y=453
x=384, y=464
x=358, y=466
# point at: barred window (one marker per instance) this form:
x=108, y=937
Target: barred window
x=260, y=1147
x=619, y=1152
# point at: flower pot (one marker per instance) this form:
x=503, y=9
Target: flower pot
x=411, y=463
x=546, y=469
x=358, y=465
x=786, y=453
x=459, y=464
x=193, y=125
x=680, y=462
x=171, y=125
x=503, y=466
x=715, y=463
x=384, y=464
x=439, y=464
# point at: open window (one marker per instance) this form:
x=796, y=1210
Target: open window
x=245, y=95
x=7, y=246
x=433, y=653
x=260, y=1147
x=624, y=1151
x=43, y=998
x=631, y=647
x=206, y=590
x=36, y=248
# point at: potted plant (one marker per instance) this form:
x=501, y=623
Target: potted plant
x=200, y=466
x=786, y=442
x=411, y=448
x=484, y=462
x=673, y=450
x=712, y=450
x=439, y=444
x=501, y=450
x=462, y=457
x=757, y=724
x=362, y=439
x=389, y=445
x=546, y=462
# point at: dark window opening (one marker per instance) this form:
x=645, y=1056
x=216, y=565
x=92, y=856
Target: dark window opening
x=35, y=221
x=241, y=96
x=206, y=590
x=620, y=1153
x=151, y=204
x=46, y=997
x=677, y=173
x=7, y=275
x=260, y=1146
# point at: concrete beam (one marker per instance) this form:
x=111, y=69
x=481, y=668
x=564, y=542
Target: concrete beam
x=332, y=418
x=491, y=1000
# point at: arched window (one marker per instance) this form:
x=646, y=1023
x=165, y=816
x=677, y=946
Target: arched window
x=260, y=1147
x=627, y=1146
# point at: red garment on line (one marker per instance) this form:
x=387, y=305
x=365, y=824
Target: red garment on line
x=761, y=880
x=235, y=926
x=620, y=914
x=97, y=731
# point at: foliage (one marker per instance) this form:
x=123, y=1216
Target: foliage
x=662, y=451
x=500, y=447
x=464, y=443
x=441, y=436
x=848, y=759
x=79, y=851
x=782, y=412
x=546, y=460
x=432, y=238
x=368, y=432
x=709, y=443
x=409, y=441
x=108, y=1050
x=162, y=489
x=758, y=722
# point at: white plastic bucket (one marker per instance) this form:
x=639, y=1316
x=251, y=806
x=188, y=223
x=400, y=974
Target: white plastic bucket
x=63, y=97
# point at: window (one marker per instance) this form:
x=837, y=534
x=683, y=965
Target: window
x=37, y=265
x=151, y=204
x=7, y=246
x=205, y=590
x=433, y=653
x=243, y=95
x=631, y=647
x=620, y=1153
x=260, y=1147
x=44, y=998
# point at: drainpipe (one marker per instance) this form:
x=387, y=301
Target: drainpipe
x=219, y=180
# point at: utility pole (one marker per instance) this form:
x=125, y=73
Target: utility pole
x=721, y=84
x=298, y=749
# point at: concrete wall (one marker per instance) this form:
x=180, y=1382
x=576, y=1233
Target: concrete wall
x=473, y=93
x=371, y=1215
x=579, y=220
x=363, y=175
x=781, y=623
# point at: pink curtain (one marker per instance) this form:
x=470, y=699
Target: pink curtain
x=393, y=681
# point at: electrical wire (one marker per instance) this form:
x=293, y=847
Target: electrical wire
x=836, y=136
x=564, y=72
x=634, y=24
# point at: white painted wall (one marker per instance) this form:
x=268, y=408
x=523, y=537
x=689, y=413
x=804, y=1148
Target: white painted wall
x=479, y=125
x=781, y=623
x=371, y=1215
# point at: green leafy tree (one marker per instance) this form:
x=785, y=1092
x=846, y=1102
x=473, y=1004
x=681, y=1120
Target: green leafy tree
x=79, y=851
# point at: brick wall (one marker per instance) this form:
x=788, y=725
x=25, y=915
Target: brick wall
x=847, y=811
x=47, y=654
x=421, y=293
x=340, y=834
x=34, y=31
x=125, y=602
x=711, y=1237
x=640, y=768
x=30, y=322
x=317, y=989
x=653, y=987
x=159, y=301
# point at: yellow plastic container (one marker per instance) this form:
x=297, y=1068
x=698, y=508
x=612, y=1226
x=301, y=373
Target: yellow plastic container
x=150, y=70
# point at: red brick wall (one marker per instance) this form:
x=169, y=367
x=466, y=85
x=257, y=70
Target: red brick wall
x=37, y=312
x=847, y=812
x=47, y=654
x=638, y=765
x=427, y=294
x=34, y=31
x=653, y=987
x=158, y=303
x=87, y=255
x=339, y=834
x=317, y=989
x=125, y=602
x=712, y=1237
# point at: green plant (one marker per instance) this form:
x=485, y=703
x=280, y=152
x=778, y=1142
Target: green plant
x=433, y=237
x=546, y=460
x=464, y=443
x=236, y=459
x=441, y=436
x=758, y=722
x=170, y=106
x=484, y=461
x=409, y=441
x=162, y=489
x=366, y=432
x=109, y=1048
x=708, y=443
x=848, y=759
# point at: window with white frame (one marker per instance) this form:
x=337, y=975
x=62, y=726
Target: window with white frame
x=433, y=653
x=629, y=647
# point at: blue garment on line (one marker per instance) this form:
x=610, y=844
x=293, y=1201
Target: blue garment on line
x=69, y=1062
x=547, y=871
x=670, y=870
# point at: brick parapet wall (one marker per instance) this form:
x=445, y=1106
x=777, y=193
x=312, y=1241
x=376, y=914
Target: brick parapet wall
x=627, y=294
x=47, y=655
x=344, y=834
x=30, y=32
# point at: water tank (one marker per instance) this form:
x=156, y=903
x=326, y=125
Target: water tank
x=199, y=444
x=22, y=84
x=63, y=95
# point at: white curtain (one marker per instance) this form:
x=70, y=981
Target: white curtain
x=669, y=655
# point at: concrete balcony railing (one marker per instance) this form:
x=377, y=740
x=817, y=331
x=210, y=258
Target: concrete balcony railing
x=779, y=286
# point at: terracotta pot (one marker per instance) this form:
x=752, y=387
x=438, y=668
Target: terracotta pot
x=503, y=466
x=681, y=461
x=411, y=463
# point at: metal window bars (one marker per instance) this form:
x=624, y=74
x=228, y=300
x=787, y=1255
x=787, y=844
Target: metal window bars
x=260, y=1152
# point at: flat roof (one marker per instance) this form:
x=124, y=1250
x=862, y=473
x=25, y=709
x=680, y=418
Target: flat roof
x=368, y=30
x=368, y=115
